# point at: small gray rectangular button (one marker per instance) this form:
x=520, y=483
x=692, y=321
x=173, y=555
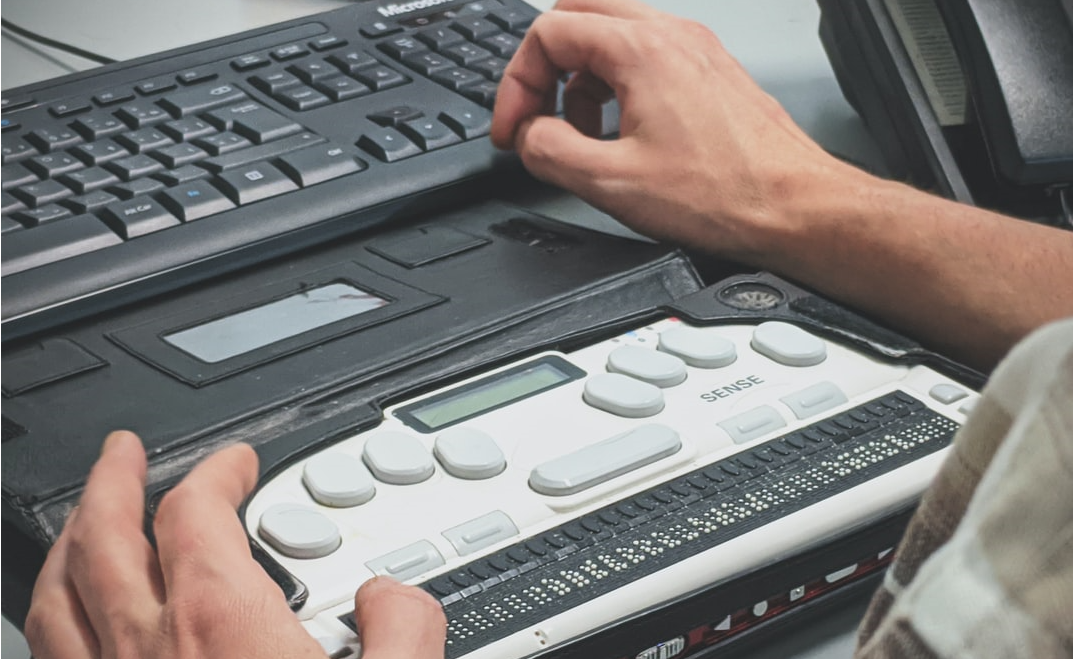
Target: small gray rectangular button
x=408, y=562
x=757, y=422
x=481, y=532
x=815, y=399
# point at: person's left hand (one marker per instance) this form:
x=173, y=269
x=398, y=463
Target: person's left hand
x=104, y=592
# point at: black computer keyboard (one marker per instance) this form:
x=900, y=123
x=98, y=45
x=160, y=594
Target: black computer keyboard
x=142, y=176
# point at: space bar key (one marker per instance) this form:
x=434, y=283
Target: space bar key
x=55, y=241
x=235, y=159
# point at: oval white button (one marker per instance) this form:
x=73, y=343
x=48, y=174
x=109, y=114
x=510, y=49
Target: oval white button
x=299, y=532
x=338, y=480
x=468, y=453
x=622, y=395
x=651, y=366
x=702, y=348
x=398, y=458
x=788, y=344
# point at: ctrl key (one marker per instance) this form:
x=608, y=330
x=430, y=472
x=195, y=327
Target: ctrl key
x=298, y=531
x=55, y=241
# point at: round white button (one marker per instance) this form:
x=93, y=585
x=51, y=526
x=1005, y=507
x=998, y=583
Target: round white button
x=338, y=479
x=468, y=453
x=398, y=458
x=658, y=368
x=299, y=532
x=788, y=344
x=702, y=348
x=622, y=395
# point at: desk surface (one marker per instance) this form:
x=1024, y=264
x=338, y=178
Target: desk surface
x=776, y=40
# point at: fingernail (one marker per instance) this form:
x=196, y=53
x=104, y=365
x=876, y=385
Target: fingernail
x=114, y=440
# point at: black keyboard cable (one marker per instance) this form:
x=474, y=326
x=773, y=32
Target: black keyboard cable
x=52, y=43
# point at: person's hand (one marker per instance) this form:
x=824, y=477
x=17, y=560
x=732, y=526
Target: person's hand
x=704, y=156
x=104, y=592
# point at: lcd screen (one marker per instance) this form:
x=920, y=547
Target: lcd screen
x=258, y=327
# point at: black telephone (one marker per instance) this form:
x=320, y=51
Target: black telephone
x=970, y=98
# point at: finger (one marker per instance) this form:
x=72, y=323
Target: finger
x=199, y=535
x=556, y=152
x=619, y=8
x=110, y=561
x=398, y=622
x=57, y=626
x=557, y=42
x=583, y=103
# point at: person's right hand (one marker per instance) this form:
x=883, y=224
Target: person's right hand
x=704, y=156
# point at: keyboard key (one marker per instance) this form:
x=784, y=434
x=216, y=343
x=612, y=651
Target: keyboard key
x=139, y=186
x=475, y=29
x=483, y=92
x=144, y=139
x=381, y=77
x=467, y=53
x=299, y=531
x=178, y=155
x=288, y=52
x=302, y=98
x=255, y=182
x=623, y=396
x=16, y=174
x=511, y=19
x=313, y=70
x=194, y=76
x=52, y=165
x=90, y=202
x=181, y=175
x=133, y=167
x=240, y=158
x=469, y=453
x=429, y=133
x=395, y=116
x=254, y=122
x=428, y=63
x=200, y=99
x=353, y=61
x=491, y=68
x=184, y=130
x=138, y=216
x=53, y=242
x=140, y=115
x=379, y=29
x=222, y=143
x=32, y=217
x=99, y=152
x=457, y=78
x=319, y=163
x=158, y=86
x=338, y=480
x=504, y=45
x=96, y=126
x=67, y=108
x=54, y=139
x=10, y=204
x=9, y=124
x=327, y=42
x=39, y=194
x=341, y=88
x=398, y=458
x=89, y=179
x=440, y=37
x=274, y=83
x=113, y=96
x=249, y=62
x=388, y=145
x=10, y=225
x=15, y=149
x=195, y=200
x=399, y=47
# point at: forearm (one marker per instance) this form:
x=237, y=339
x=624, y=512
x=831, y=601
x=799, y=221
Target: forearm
x=965, y=281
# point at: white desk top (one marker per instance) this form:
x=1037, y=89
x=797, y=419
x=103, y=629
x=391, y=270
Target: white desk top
x=776, y=40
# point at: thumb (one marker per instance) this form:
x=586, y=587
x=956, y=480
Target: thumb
x=556, y=152
x=398, y=622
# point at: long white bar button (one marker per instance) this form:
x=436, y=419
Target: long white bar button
x=479, y=533
x=408, y=562
x=651, y=366
x=398, y=458
x=469, y=453
x=788, y=344
x=749, y=425
x=702, y=348
x=622, y=395
x=338, y=480
x=812, y=400
x=299, y=532
x=602, y=461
